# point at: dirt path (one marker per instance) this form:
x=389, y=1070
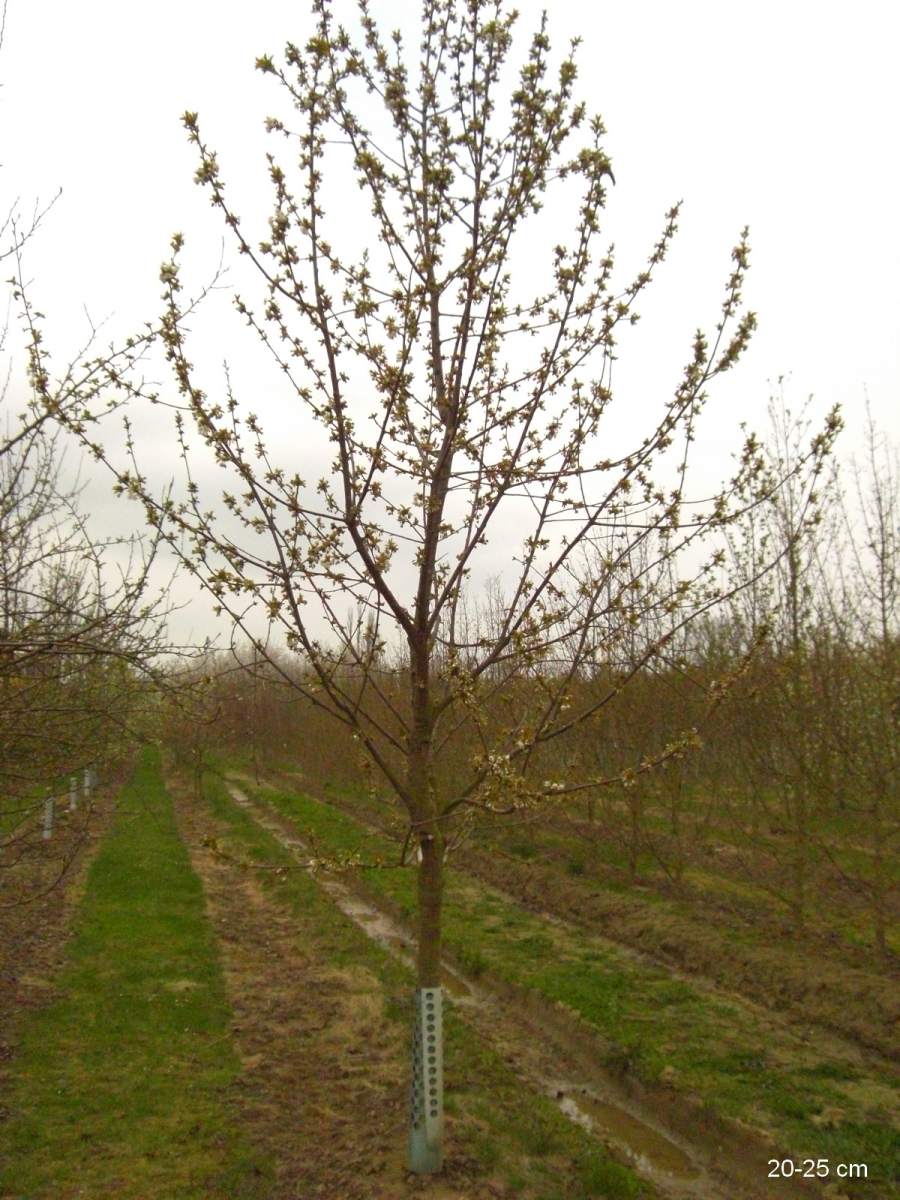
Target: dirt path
x=323, y=1088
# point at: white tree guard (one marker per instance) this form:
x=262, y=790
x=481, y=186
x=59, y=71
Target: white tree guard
x=48, y=818
x=426, y=1135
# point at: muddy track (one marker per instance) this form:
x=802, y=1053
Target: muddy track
x=668, y=1138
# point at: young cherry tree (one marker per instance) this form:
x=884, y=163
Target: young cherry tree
x=460, y=371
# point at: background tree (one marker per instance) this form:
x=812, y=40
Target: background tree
x=78, y=636
x=794, y=528
x=812, y=737
x=459, y=400
x=79, y=625
x=860, y=683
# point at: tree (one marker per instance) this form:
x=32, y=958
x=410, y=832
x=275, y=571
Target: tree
x=795, y=530
x=78, y=637
x=861, y=690
x=459, y=401
x=79, y=627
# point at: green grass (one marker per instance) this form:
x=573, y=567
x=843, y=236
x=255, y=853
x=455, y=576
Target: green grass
x=119, y=1085
x=721, y=1050
x=513, y=1133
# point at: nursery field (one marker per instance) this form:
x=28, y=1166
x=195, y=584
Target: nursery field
x=449, y=744
x=740, y=1020
x=191, y=1014
x=199, y=1020
x=721, y=920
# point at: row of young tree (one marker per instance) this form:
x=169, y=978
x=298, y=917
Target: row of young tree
x=82, y=631
x=815, y=743
x=770, y=722
x=79, y=634
x=797, y=776
x=81, y=625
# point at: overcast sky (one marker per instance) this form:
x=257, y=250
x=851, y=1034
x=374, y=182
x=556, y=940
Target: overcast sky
x=782, y=116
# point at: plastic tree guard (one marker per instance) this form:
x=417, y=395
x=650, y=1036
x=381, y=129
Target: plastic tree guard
x=426, y=1132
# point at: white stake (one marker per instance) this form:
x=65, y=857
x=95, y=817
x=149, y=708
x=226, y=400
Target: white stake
x=48, y=818
x=73, y=793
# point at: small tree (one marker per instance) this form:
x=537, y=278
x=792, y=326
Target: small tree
x=781, y=734
x=78, y=636
x=861, y=688
x=78, y=625
x=459, y=401
x=81, y=632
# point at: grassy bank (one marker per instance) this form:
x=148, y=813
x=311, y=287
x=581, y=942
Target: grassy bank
x=807, y=1094
x=118, y=1087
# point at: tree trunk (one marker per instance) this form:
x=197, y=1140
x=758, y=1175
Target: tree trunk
x=431, y=888
x=635, y=804
x=426, y=1132
x=800, y=864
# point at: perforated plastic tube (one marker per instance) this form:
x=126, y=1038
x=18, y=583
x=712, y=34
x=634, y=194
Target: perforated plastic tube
x=426, y=1133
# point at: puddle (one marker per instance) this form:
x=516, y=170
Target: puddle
x=650, y=1152
x=376, y=924
x=387, y=933
x=457, y=986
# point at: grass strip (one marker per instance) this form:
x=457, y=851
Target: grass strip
x=741, y=1064
x=118, y=1088
x=517, y=1135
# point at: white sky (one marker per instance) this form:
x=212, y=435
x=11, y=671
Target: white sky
x=781, y=115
